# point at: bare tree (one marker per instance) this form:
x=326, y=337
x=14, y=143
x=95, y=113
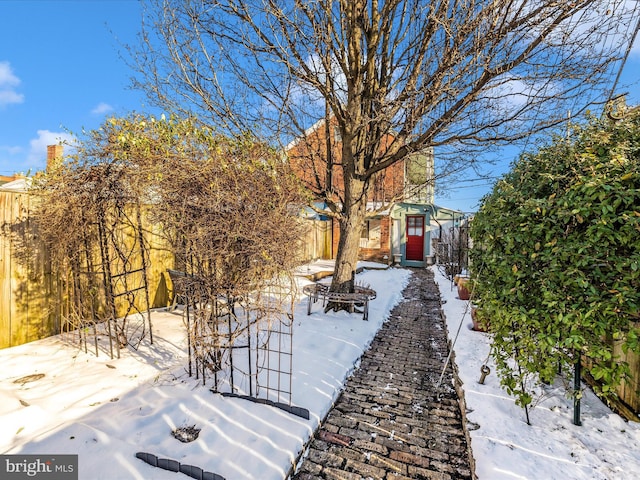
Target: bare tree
x=394, y=76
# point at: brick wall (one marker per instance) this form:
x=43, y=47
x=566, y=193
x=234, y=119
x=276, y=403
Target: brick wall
x=307, y=158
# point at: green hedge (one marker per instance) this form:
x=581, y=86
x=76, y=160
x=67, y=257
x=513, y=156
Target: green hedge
x=556, y=257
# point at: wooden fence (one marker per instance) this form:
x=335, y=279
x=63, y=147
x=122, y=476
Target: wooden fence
x=629, y=391
x=32, y=295
x=316, y=242
x=627, y=403
x=27, y=288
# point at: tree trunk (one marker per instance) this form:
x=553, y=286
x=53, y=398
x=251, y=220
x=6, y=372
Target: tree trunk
x=351, y=223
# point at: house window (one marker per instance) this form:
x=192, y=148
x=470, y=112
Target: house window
x=370, y=236
x=337, y=136
x=419, y=177
x=415, y=226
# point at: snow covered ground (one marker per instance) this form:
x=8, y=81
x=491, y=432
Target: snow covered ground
x=107, y=410
x=605, y=447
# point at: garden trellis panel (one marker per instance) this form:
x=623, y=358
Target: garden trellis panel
x=109, y=281
x=32, y=303
x=242, y=343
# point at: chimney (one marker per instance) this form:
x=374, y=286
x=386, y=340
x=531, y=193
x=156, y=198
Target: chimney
x=54, y=156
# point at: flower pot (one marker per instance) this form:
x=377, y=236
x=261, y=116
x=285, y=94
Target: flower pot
x=463, y=289
x=479, y=325
x=459, y=276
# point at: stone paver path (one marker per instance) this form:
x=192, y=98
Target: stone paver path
x=393, y=420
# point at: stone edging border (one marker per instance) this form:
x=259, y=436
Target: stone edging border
x=175, y=466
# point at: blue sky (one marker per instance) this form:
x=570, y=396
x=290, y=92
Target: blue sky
x=61, y=70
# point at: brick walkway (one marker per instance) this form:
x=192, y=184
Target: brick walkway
x=393, y=421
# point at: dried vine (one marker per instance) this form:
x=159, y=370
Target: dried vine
x=227, y=209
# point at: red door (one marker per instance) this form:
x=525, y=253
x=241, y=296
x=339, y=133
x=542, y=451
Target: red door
x=415, y=238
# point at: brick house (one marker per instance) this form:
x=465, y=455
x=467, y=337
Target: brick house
x=401, y=209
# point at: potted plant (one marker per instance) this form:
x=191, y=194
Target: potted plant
x=463, y=288
x=480, y=322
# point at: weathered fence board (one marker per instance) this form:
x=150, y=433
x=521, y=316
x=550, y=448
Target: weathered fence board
x=26, y=286
x=629, y=391
x=5, y=269
x=316, y=242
